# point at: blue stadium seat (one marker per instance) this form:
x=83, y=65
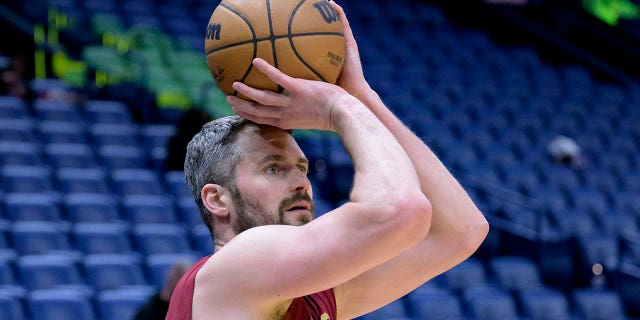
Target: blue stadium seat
x=148, y=209
x=394, y=310
x=91, y=207
x=467, y=274
x=83, y=180
x=17, y=130
x=152, y=238
x=432, y=303
x=32, y=207
x=523, y=217
x=38, y=237
x=201, y=239
x=11, y=307
x=602, y=249
x=600, y=179
x=119, y=134
x=47, y=271
x=20, y=153
x=107, y=111
x=122, y=157
x=598, y=305
x=489, y=303
x=550, y=200
x=575, y=223
x=13, y=108
x=137, y=182
x=102, y=238
x=515, y=273
x=622, y=224
x=177, y=184
x=159, y=264
x=616, y=162
x=544, y=303
x=70, y=155
x=522, y=178
x=627, y=201
x=190, y=214
x=48, y=87
x=558, y=177
x=112, y=271
x=55, y=110
x=62, y=132
x=156, y=135
x=590, y=201
x=7, y=274
x=60, y=304
x=123, y=303
x=26, y=179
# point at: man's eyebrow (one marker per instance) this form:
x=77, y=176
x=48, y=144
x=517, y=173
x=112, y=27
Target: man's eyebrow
x=275, y=157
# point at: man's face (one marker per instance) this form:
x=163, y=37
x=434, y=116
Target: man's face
x=271, y=184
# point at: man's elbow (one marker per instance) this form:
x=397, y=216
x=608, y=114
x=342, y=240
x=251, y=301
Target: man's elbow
x=474, y=233
x=417, y=210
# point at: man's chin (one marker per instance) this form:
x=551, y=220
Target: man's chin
x=298, y=218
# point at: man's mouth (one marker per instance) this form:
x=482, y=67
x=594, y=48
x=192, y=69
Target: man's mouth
x=299, y=206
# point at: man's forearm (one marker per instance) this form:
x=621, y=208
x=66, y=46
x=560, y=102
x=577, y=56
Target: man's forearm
x=451, y=205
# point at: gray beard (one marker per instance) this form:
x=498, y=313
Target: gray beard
x=253, y=214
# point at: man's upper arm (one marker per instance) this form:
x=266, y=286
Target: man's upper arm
x=283, y=262
x=438, y=252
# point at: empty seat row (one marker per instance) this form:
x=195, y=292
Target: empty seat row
x=492, y=303
x=90, y=238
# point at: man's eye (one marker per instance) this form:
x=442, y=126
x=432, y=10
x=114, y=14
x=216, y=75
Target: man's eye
x=272, y=169
x=304, y=169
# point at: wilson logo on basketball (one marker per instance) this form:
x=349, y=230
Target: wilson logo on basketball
x=326, y=11
x=213, y=31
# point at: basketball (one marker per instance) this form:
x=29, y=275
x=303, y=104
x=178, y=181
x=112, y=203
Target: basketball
x=302, y=38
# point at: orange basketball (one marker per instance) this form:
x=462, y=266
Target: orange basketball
x=302, y=38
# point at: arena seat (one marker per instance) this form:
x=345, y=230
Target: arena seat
x=544, y=303
x=112, y=271
x=153, y=238
x=598, y=304
x=148, y=209
x=32, y=207
x=122, y=303
x=102, y=238
x=48, y=271
x=62, y=304
x=91, y=207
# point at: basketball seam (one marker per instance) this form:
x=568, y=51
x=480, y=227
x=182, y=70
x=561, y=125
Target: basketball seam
x=295, y=35
x=273, y=40
x=253, y=35
x=293, y=47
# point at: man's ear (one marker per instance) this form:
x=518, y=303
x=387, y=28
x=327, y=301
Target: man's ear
x=215, y=199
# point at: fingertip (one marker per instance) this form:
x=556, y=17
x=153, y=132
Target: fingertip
x=336, y=6
x=257, y=61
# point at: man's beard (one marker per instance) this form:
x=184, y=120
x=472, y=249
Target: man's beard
x=251, y=213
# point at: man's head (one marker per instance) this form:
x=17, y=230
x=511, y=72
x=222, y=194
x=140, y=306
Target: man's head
x=243, y=175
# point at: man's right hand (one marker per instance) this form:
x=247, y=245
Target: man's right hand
x=303, y=104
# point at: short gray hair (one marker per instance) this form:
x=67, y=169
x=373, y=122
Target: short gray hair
x=212, y=156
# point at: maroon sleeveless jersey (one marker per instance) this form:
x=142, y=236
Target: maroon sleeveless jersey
x=317, y=306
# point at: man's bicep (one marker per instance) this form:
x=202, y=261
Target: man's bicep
x=284, y=262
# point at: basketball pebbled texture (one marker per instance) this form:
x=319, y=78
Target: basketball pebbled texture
x=302, y=38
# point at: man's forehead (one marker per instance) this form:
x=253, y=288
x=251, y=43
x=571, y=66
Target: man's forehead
x=269, y=140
